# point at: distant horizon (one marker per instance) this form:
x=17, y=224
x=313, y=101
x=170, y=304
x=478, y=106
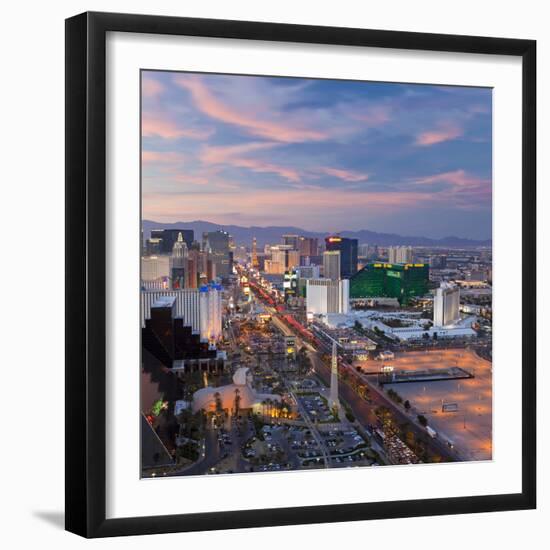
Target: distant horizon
x=305, y=230
x=320, y=154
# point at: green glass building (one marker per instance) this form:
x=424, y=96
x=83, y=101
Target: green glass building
x=381, y=280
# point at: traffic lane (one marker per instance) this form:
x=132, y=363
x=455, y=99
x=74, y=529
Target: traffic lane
x=434, y=447
x=364, y=412
x=360, y=408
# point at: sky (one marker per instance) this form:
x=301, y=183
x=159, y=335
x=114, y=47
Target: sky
x=322, y=155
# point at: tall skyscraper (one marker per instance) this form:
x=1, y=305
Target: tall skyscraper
x=285, y=256
x=255, y=263
x=348, y=254
x=308, y=246
x=334, y=402
x=326, y=296
x=273, y=268
x=331, y=264
x=308, y=272
x=363, y=250
x=187, y=305
x=290, y=284
x=292, y=259
x=178, y=263
x=400, y=255
x=153, y=247
x=154, y=268
x=291, y=240
x=166, y=238
x=446, y=305
x=210, y=312
x=200, y=309
x=438, y=262
x=192, y=268
x=217, y=244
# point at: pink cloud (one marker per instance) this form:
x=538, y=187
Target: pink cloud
x=164, y=157
x=210, y=105
x=466, y=188
x=160, y=126
x=445, y=132
x=260, y=166
x=223, y=153
x=151, y=87
x=236, y=155
x=346, y=175
x=289, y=204
x=457, y=178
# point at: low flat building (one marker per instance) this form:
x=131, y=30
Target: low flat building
x=400, y=326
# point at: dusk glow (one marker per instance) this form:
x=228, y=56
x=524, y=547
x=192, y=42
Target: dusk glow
x=322, y=155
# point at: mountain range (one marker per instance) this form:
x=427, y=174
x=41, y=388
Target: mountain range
x=272, y=234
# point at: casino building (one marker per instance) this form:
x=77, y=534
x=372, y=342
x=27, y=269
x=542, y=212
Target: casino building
x=348, y=253
x=382, y=280
x=232, y=398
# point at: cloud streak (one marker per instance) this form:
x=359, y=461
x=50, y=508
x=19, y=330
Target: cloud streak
x=345, y=175
x=446, y=132
x=466, y=189
x=157, y=125
x=210, y=105
x=330, y=152
x=236, y=156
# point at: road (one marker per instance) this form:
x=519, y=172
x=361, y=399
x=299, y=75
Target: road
x=313, y=431
x=211, y=457
x=363, y=411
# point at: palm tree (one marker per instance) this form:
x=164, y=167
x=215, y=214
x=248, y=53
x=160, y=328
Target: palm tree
x=237, y=401
x=218, y=402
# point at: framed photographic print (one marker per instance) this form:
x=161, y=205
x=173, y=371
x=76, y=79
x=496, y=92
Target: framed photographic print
x=291, y=293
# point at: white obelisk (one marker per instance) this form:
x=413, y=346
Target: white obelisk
x=333, y=401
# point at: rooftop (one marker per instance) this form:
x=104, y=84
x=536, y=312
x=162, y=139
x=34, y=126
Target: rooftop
x=164, y=301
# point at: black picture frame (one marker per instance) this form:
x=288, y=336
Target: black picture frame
x=86, y=274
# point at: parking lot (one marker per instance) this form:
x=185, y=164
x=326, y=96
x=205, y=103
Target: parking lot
x=468, y=427
x=347, y=447
x=316, y=407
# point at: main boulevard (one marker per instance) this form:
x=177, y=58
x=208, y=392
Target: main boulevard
x=361, y=409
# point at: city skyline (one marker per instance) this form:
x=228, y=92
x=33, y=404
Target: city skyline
x=316, y=274
x=276, y=151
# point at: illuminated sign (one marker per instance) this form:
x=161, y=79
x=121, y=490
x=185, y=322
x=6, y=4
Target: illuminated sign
x=335, y=239
x=290, y=284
